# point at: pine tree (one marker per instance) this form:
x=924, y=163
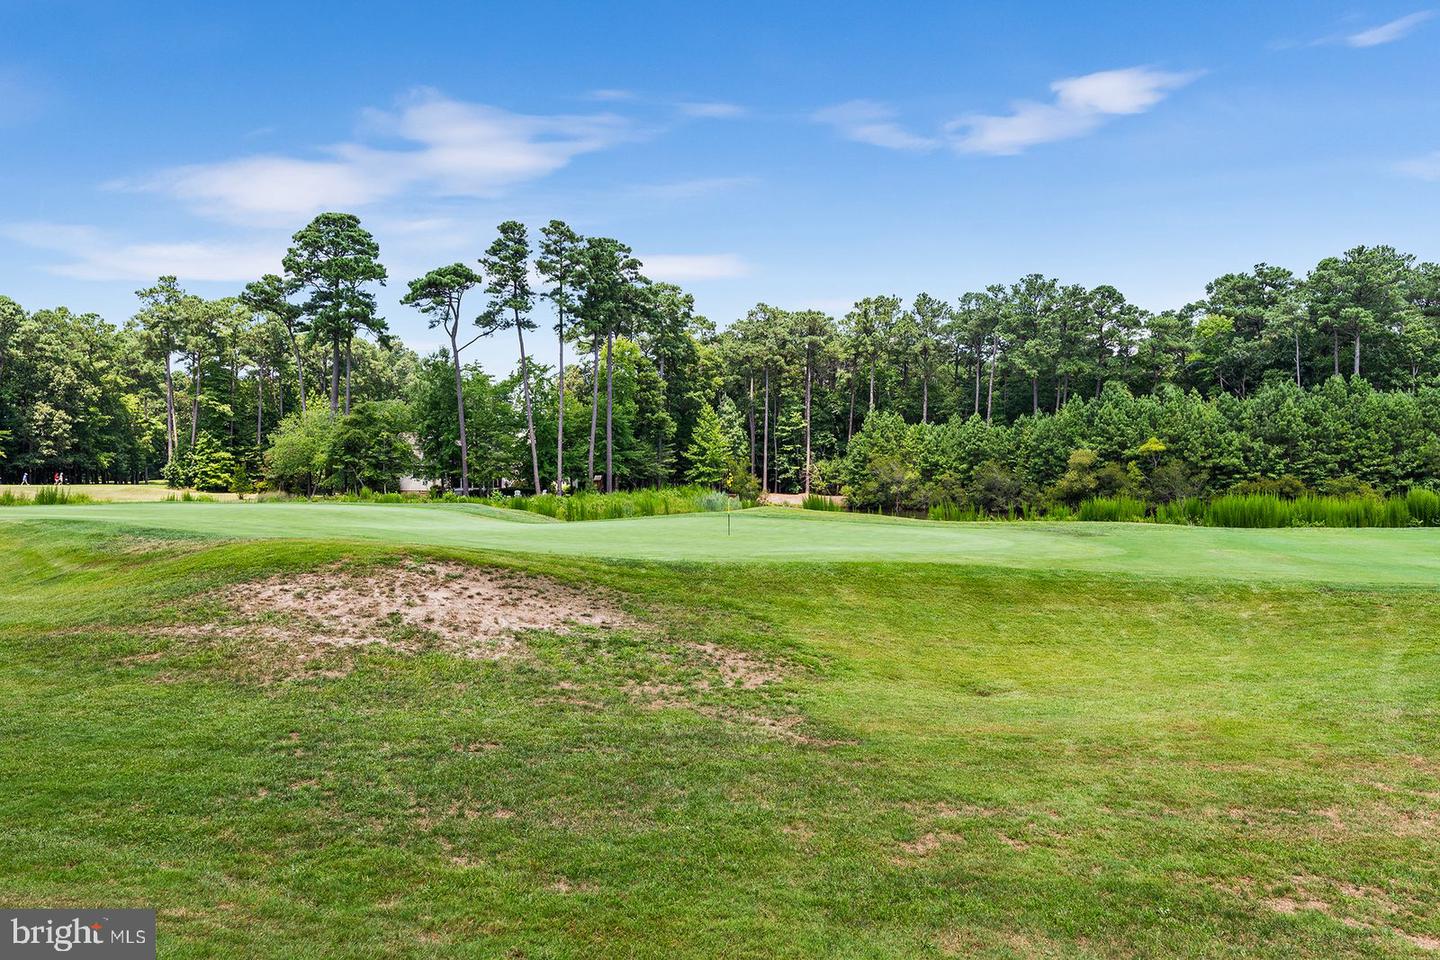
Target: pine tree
x=711, y=449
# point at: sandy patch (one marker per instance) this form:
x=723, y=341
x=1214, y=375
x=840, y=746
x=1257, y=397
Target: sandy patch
x=476, y=612
x=309, y=625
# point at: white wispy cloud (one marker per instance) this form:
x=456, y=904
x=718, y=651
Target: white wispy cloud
x=610, y=93
x=710, y=109
x=90, y=253
x=872, y=122
x=1422, y=168
x=445, y=147
x=681, y=267
x=1389, y=32
x=1079, y=106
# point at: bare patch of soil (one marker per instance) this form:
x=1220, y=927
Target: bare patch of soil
x=737, y=669
x=475, y=612
x=309, y=625
x=1357, y=907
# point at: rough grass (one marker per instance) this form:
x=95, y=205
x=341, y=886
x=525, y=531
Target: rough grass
x=938, y=760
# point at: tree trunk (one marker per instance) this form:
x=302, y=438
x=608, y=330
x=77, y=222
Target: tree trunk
x=529, y=409
x=594, y=407
x=460, y=411
x=1335, y=348
x=259, y=406
x=925, y=399
x=979, y=364
x=195, y=403
x=807, y=426
x=560, y=415
x=752, y=424
x=610, y=412
x=234, y=381
x=171, y=428
x=850, y=427
x=872, y=384
x=990, y=388
x=334, y=376
x=1035, y=396
x=299, y=370
x=765, y=440
x=1356, y=370
x=347, y=377
x=1297, y=358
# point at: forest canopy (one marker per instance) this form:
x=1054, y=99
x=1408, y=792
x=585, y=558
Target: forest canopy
x=1023, y=391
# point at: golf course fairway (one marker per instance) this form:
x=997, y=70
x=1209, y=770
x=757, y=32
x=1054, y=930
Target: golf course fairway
x=1377, y=556
x=768, y=734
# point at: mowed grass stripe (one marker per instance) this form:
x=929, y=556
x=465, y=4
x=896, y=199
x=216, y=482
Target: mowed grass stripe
x=1333, y=556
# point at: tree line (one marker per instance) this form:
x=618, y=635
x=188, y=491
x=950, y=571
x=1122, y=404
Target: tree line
x=645, y=391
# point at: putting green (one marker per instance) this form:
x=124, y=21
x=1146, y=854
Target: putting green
x=1384, y=556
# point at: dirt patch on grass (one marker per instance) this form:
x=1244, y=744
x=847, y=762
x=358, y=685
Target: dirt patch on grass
x=308, y=625
x=1356, y=906
x=475, y=612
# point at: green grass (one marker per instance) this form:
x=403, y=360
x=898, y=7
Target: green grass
x=780, y=534
x=1130, y=749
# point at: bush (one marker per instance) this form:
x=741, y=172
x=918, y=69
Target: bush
x=715, y=502
x=1286, y=487
x=994, y=488
x=814, y=501
x=740, y=482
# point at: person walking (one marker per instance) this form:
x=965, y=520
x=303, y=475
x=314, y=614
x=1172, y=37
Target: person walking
x=25, y=479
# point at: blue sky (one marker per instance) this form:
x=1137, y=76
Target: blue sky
x=803, y=154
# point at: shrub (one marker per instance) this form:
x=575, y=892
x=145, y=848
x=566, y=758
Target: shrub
x=1286, y=487
x=715, y=502
x=814, y=501
x=994, y=488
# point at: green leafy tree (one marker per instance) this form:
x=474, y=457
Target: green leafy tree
x=369, y=448
x=560, y=263
x=334, y=259
x=508, y=263
x=296, y=460
x=440, y=295
x=712, y=450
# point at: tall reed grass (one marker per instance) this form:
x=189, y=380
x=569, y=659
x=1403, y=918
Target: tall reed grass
x=1113, y=509
x=615, y=506
x=1417, y=508
x=44, y=497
